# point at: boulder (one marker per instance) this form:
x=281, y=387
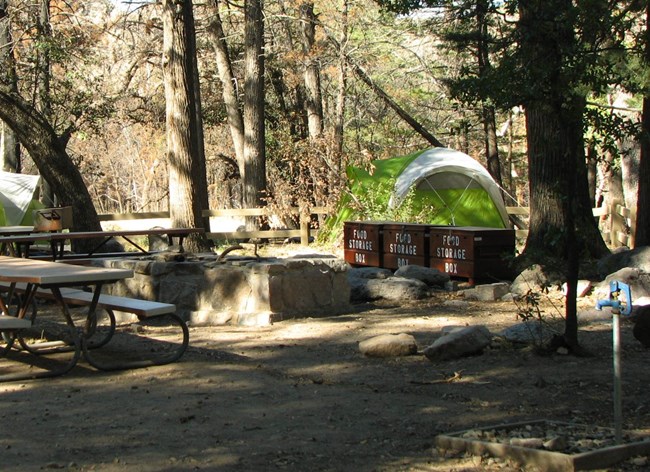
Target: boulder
x=430, y=276
x=394, y=288
x=638, y=280
x=532, y=279
x=638, y=258
x=529, y=332
x=389, y=345
x=459, y=343
x=369, y=273
x=488, y=292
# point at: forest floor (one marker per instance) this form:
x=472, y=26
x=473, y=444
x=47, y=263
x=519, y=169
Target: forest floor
x=298, y=395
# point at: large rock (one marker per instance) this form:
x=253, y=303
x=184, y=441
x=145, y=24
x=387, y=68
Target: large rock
x=459, y=343
x=638, y=258
x=638, y=281
x=487, y=292
x=529, y=332
x=430, y=276
x=369, y=273
x=532, y=279
x=393, y=288
x=389, y=345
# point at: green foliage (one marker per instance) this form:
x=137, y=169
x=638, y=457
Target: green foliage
x=372, y=204
x=530, y=311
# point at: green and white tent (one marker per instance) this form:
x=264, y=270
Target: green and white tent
x=441, y=185
x=17, y=198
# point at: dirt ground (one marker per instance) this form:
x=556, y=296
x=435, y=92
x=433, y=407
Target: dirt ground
x=298, y=396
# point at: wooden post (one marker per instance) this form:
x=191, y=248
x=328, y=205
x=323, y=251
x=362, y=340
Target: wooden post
x=304, y=226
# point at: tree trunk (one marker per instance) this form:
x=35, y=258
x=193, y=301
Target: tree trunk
x=48, y=153
x=9, y=145
x=559, y=200
x=488, y=113
x=339, y=118
x=642, y=233
x=187, y=178
x=314, y=101
x=228, y=83
x=254, y=143
x=44, y=71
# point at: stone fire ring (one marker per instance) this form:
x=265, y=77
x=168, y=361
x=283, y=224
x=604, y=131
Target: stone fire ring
x=543, y=460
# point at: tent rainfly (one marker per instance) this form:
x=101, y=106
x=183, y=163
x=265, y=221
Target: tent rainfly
x=462, y=190
x=445, y=186
x=17, y=193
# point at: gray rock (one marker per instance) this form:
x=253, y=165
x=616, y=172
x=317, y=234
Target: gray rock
x=460, y=304
x=532, y=279
x=459, y=343
x=369, y=273
x=638, y=258
x=430, y=276
x=397, y=288
x=488, y=292
x=638, y=281
x=528, y=332
x=389, y=345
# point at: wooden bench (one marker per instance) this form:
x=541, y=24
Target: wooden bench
x=143, y=309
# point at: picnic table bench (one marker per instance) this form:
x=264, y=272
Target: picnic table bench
x=56, y=282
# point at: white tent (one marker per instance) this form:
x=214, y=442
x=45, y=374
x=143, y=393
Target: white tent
x=439, y=169
x=16, y=194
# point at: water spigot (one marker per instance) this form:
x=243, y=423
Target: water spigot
x=618, y=306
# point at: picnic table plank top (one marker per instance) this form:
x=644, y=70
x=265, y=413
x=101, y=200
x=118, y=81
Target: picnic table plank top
x=15, y=230
x=47, y=236
x=13, y=269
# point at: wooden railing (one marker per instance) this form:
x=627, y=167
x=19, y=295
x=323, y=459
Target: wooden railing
x=617, y=223
x=303, y=233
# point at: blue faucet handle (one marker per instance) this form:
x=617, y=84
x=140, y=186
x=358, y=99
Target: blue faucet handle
x=615, y=289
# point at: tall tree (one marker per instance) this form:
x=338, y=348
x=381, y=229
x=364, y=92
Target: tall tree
x=228, y=80
x=9, y=145
x=48, y=151
x=43, y=79
x=559, y=200
x=185, y=152
x=254, y=141
x=471, y=33
x=642, y=234
x=314, y=101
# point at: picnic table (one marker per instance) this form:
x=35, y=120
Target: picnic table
x=20, y=243
x=32, y=278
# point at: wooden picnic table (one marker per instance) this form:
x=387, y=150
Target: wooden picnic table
x=34, y=275
x=20, y=244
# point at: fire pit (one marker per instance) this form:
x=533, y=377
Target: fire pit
x=209, y=290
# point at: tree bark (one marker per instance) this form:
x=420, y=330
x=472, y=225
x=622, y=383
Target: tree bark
x=228, y=83
x=642, y=232
x=187, y=178
x=562, y=227
x=488, y=113
x=254, y=143
x=49, y=154
x=339, y=118
x=9, y=145
x=314, y=101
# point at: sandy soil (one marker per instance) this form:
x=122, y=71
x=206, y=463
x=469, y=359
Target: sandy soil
x=299, y=396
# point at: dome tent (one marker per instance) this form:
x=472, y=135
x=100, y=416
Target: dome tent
x=458, y=186
x=451, y=187
x=17, y=198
